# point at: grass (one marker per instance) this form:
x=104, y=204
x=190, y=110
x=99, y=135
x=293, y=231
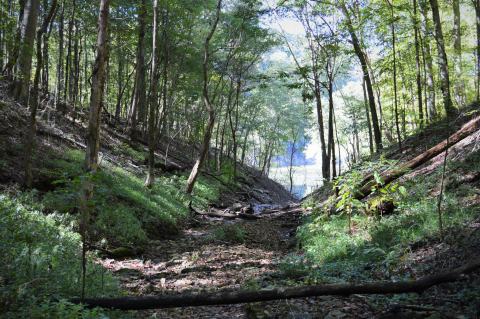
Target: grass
x=126, y=213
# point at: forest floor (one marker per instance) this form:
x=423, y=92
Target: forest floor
x=214, y=253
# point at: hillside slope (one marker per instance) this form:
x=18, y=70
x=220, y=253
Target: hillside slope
x=404, y=240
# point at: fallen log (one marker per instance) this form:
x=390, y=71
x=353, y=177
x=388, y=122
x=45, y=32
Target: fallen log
x=218, y=214
x=390, y=175
x=228, y=297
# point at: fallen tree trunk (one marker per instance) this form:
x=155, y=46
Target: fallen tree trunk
x=218, y=214
x=389, y=176
x=229, y=297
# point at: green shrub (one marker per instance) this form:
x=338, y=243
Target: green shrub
x=41, y=260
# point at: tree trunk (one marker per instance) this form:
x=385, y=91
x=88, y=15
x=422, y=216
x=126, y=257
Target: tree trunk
x=442, y=60
x=210, y=109
x=395, y=91
x=459, y=87
x=476, y=5
x=367, y=115
x=15, y=48
x=60, y=77
x=93, y=130
x=153, y=102
x=30, y=136
x=137, y=110
x=331, y=137
x=321, y=129
x=428, y=62
x=24, y=62
x=67, y=92
x=363, y=62
x=96, y=94
x=417, y=64
x=118, y=105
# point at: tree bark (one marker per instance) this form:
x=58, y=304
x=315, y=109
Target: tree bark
x=476, y=5
x=367, y=115
x=60, y=73
x=229, y=297
x=24, y=62
x=442, y=60
x=31, y=130
x=93, y=130
x=363, y=62
x=97, y=89
x=417, y=64
x=428, y=63
x=153, y=102
x=137, y=110
x=459, y=86
x=210, y=109
x=395, y=91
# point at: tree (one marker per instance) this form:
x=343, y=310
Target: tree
x=30, y=136
x=457, y=61
x=418, y=66
x=363, y=62
x=93, y=130
x=207, y=102
x=442, y=60
x=24, y=62
x=152, y=100
x=137, y=109
x=476, y=5
x=392, y=24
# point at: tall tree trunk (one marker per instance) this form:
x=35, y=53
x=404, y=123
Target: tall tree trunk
x=367, y=115
x=395, y=91
x=321, y=129
x=476, y=5
x=331, y=137
x=417, y=64
x=363, y=62
x=210, y=109
x=97, y=89
x=442, y=60
x=31, y=130
x=153, y=102
x=24, y=62
x=137, y=110
x=234, y=124
x=119, y=86
x=15, y=47
x=60, y=73
x=459, y=86
x=93, y=130
x=430, y=79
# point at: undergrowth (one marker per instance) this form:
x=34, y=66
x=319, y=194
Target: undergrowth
x=374, y=247
x=41, y=265
x=126, y=213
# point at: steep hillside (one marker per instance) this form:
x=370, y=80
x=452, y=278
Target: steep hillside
x=401, y=231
